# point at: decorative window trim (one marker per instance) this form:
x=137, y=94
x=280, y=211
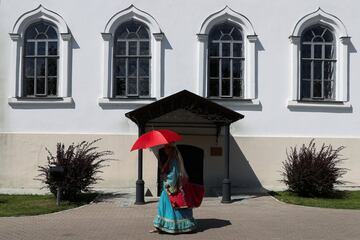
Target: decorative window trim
x=156, y=50
x=342, y=53
x=250, y=39
x=17, y=37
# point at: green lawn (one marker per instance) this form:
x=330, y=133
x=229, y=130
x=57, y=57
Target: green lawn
x=342, y=200
x=25, y=205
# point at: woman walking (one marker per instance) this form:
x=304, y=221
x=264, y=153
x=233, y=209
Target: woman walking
x=168, y=218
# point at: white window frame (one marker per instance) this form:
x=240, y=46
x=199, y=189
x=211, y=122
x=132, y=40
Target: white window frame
x=249, y=37
x=17, y=36
x=115, y=21
x=342, y=53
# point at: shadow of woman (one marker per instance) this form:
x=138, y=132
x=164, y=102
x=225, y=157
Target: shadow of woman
x=209, y=223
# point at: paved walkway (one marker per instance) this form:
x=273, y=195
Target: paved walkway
x=250, y=218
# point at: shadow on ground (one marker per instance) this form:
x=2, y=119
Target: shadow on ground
x=210, y=223
x=110, y=196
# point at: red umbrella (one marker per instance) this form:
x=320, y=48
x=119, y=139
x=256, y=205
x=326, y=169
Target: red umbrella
x=154, y=138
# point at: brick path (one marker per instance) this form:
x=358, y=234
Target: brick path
x=251, y=218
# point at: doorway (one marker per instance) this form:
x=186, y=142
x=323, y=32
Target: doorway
x=193, y=162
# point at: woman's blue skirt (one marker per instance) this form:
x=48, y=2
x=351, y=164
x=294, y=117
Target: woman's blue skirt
x=172, y=220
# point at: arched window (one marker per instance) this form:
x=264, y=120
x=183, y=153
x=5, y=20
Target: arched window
x=226, y=61
x=318, y=60
x=40, y=74
x=131, y=72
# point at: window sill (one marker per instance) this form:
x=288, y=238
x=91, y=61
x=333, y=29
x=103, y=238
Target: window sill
x=231, y=103
x=21, y=101
x=41, y=103
x=124, y=102
x=293, y=104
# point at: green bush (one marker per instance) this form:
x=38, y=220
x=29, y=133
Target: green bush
x=313, y=173
x=82, y=162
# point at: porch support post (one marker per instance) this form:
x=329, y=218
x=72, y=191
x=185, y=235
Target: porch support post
x=140, y=182
x=226, y=187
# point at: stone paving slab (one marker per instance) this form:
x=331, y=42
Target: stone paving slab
x=248, y=217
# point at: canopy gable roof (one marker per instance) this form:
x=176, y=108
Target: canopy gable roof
x=204, y=108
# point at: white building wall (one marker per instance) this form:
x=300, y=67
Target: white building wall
x=180, y=21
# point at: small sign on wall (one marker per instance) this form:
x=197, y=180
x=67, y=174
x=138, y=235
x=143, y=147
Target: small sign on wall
x=216, y=151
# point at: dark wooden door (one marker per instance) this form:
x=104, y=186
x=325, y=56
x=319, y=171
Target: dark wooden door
x=193, y=161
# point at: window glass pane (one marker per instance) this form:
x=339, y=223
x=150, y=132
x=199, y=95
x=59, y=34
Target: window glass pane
x=305, y=89
x=132, y=25
x=132, y=48
x=52, y=67
x=317, y=89
x=328, y=36
x=214, y=67
x=306, y=69
x=51, y=33
x=144, y=67
x=214, y=49
x=29, y=86
x=237, y=49
x=225, y=87
x=329, y=51
x=318, y=51
x=215, y=33
x=40, y=85
x=226, y=27
x=40, y=67
x=225, y=68
x=52, y=48
x=132, y=86
x=237, y=70
x=41, y=27
x=120, y=48
x=119, y=67
x=31, y=33
x=236, y=87
x=328, y=89
x=30, y=48
x=122, y=34
x=132, y=36
x=120, y=87
x=318, y=39
x=236, y=34
x=41, y=36
x=226, y=37
x=144, y=86
x=144, y=48
x=143, y=33
x=41, y=48
x=317, y=70
x=132, y=67
x=329, y=70
x=52, y=86
x=214, y=88
x=306, y=51
x=225, y=49
x=318, y=30
x=307, y=36
x=29, y=67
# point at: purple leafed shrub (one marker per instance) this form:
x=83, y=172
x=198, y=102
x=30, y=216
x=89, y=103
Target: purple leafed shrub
x=82, y=162
x=313, y=173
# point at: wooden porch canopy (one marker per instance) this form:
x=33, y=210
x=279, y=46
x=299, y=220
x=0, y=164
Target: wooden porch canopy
x=206, y=110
